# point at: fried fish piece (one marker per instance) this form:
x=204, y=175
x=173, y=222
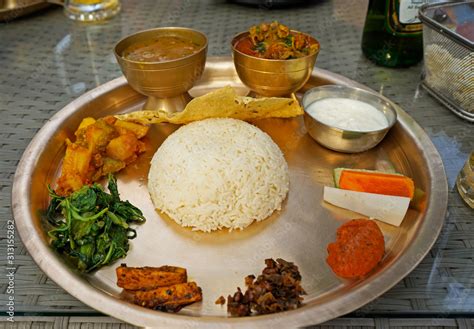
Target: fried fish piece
x=171, y=297
x=222, y=103
x=146, y=278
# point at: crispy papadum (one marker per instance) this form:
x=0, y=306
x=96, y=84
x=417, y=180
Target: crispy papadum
x=222, y=103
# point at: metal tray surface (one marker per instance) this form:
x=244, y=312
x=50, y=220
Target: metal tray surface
x=12, y=9
x=219, y=261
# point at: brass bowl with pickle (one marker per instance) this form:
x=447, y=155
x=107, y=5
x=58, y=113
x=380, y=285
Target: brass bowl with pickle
x=163, y=64
x=273, y=60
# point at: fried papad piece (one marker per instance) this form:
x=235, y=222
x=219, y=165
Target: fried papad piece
x=171, y=297
x=222, y=103
x=146, y=278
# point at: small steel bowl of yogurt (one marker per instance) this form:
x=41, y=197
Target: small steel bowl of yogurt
x=347, y=119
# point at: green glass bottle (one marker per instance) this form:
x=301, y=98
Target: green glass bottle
x=393, y=33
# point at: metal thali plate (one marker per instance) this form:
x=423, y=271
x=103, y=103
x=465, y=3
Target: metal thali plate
x=219, y=261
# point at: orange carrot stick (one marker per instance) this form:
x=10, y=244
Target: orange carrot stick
x=377, y=182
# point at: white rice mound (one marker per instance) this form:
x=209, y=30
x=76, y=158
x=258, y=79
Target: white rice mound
x=218, y=173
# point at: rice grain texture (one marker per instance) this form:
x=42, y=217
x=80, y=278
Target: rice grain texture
x=218, y=173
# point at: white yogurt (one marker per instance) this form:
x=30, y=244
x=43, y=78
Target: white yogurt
x=347, y=114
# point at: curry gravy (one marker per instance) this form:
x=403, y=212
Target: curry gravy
x=160, y=49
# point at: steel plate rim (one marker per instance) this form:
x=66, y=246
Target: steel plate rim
x=311, y=313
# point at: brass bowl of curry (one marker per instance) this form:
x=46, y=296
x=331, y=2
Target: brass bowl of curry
x=163, y=64
x=269, y=68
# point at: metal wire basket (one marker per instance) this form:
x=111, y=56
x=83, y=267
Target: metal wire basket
x=449, y=55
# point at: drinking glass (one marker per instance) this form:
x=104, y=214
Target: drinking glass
x=465, y=181
x=91, y=10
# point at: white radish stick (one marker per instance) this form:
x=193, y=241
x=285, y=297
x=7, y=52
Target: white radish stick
x=386, y=208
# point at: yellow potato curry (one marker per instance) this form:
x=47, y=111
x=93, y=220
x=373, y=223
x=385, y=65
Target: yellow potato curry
x=102, y=146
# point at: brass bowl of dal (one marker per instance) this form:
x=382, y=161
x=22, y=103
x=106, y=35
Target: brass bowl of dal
x=163, y=64
x=272, y=77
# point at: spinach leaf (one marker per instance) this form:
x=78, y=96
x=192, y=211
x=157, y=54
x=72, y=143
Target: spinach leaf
x=288, y=41
x=92, y=227
x=84, y=200
x=112, y=186
x=260, y=47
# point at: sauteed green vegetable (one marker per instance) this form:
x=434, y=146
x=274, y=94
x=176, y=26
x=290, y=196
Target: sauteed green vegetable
x=91, y=226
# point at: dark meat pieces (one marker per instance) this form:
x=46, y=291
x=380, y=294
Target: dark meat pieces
x=220, y=300
x=276, y=289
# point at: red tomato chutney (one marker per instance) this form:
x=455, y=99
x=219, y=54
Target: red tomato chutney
x=359, y=247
